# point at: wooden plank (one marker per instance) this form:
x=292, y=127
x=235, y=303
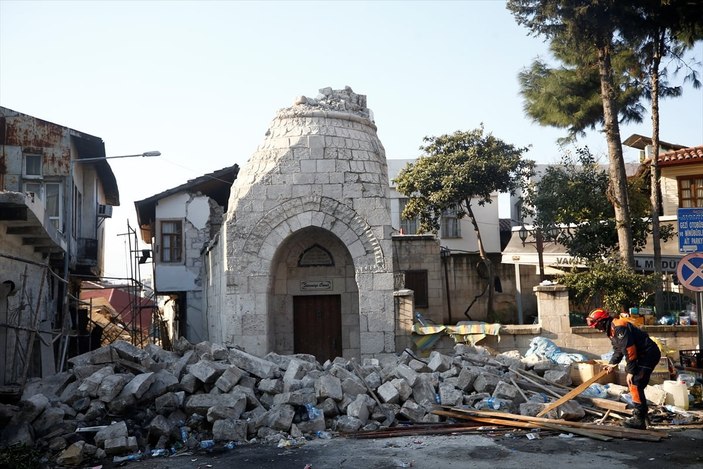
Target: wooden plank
x=610, y=405
x=550, y=426
x=573, y=393
x=628, y=432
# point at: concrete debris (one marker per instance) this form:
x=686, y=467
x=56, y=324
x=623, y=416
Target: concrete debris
x=129, y=403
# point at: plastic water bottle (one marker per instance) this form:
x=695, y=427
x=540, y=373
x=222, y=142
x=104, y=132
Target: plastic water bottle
x=207, y=444
x=437, y=399
x=184, y=434
x=159, y=452
x=323, y=435
x=230, y=445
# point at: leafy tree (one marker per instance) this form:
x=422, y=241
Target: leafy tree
x=591, y=26
x=457, y=172
x=568, y=96
x=573, y=195
x=663, y=29
x=616, y=285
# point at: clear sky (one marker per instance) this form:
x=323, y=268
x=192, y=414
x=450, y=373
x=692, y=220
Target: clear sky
x=201, y=81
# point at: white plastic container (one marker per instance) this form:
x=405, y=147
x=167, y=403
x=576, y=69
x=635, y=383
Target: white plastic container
x=676, y=394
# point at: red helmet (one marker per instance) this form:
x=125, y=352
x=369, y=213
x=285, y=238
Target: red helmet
x=596, y=316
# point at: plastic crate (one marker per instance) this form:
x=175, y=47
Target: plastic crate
x=691, y=358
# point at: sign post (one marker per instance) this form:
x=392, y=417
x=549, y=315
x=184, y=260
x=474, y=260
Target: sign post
x=690, y=274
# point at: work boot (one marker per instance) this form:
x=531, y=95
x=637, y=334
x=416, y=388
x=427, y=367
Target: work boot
x=638, y=420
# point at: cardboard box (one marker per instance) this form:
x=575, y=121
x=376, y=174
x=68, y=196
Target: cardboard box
x=660, y=374
x=583, y=371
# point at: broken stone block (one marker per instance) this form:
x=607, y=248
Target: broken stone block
x=347, y=424
x=121, y=445
x=387, y=392
x=180, y=365
x=71, y=456
x=424, y=392
x=439, y=362
x=352, y=387
x=48, y=419
x=571, y=410
x=90, y=385
x=219, y=412
x=229, y=378
x=98, y=356
x=200, y=403
x=449, y=395
x=316, y=424
x=508, y=392
x=329, y=408
x=138, y=385
x=163, y=382
x=229, y=429
x=112, y=385
x=181, y=345
x=116, y=430
x=373, y=379
x=558, y=376
x=407, y=373
x=207, y=371
x=160, y=355
x=70, y=393
x=32, y=407
x=131, y=353
x=96, y=411
x=279, y=417
x=50, y=386
x=219, y=352
x=328, y=386
x=189, y=383
x=540, y=366
x=404, y=389
x=486, y=382
x=272, y=386
x=82, y=372
x=466, y=379
x=418, y=366
x=299, y=397
x=168, y=402
x=159, y=426
x=341, y=372
x=81, y=405
x=252, y=364
x=655, y=395
x=412, y=411
x=359, y=408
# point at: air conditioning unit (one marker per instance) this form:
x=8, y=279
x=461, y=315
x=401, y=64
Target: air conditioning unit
x=104, y=211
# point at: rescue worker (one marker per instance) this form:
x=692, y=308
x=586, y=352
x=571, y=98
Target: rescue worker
x=640, y=352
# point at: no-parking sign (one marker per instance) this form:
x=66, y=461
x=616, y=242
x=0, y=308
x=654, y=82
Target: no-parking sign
x=690, y=271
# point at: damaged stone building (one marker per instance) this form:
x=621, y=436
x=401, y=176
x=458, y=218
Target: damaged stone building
x=312, y=253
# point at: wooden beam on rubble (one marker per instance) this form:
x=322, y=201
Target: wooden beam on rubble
x=574, y=392
x=509, y=419
x=529, y=425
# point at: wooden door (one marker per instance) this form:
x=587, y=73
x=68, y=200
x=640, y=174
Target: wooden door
x=317, y=326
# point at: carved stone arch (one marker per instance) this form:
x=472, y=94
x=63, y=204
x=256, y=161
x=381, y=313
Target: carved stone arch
x=338, y=218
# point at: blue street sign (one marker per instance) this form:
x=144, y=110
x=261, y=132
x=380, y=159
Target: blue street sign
x=690, y=271
x=690, y=229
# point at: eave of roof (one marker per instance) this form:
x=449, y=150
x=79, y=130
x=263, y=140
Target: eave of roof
x=211, y=184
x=683, y=156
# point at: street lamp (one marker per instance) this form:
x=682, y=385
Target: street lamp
x=552, y=231
x=69, y=186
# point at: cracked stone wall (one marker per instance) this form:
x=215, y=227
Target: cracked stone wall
x=318, y=177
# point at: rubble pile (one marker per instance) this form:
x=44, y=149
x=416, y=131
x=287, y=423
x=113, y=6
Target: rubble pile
x=122, y=400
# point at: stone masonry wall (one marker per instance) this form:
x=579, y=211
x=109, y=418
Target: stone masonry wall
x=321, y=165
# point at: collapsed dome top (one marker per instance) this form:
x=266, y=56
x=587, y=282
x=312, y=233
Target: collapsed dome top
x=335, y=100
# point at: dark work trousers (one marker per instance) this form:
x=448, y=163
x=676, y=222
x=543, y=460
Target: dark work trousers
x=640, y=380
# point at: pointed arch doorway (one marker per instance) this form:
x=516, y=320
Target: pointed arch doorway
x=314, y=296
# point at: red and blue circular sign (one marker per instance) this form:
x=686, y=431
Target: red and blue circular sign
x=690, y=271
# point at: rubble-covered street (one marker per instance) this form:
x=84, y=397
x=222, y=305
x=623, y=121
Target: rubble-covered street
x=204, y=404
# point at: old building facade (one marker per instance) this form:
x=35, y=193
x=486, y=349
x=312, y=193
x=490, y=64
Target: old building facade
x=53, y=207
